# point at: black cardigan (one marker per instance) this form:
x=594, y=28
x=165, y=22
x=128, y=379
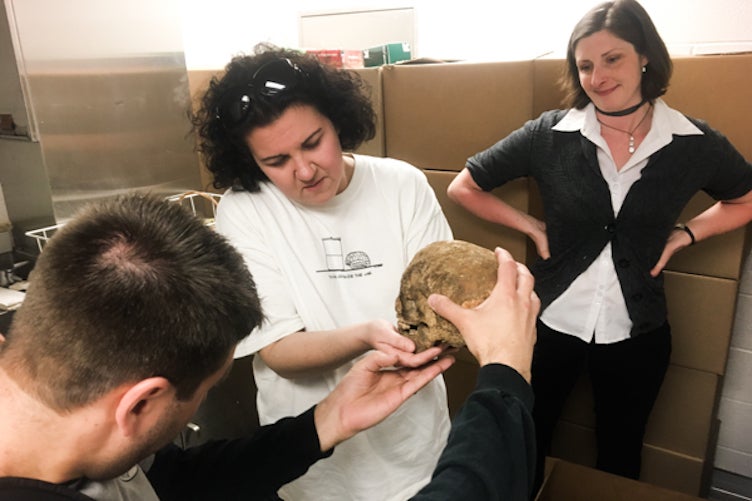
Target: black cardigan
x=577, y=204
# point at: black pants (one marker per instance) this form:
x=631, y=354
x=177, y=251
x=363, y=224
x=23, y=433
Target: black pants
x=625, y=377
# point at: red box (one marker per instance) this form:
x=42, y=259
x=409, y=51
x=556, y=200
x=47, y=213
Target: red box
x=339, y=58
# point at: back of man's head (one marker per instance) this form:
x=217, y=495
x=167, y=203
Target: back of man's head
x=132, y=288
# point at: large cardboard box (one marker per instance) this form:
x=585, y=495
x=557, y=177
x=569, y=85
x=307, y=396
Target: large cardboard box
x=701, y=312
x=682, y=418
x=437, y=115
x=573, y=482
x=460, y=379
x=720, y=256
x=372, y=78
x=661, y=467
x=547, y=93
x=715, y=89
x=465, y=226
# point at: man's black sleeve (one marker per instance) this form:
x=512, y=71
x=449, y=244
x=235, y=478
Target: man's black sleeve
x=490, y=453
x=249, y=468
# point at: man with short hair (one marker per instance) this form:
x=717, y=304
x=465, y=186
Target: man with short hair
x=133, y=313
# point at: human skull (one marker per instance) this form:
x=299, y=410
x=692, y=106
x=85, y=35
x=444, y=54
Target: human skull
x=462, y=271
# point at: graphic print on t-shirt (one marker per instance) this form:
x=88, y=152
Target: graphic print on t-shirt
x=337, y=260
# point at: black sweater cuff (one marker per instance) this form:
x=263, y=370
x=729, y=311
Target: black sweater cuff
x=495, y=376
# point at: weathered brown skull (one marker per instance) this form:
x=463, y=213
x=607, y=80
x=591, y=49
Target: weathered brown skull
x=462, y=271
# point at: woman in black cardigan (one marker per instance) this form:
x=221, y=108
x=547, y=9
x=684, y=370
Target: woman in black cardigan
x=615, y=171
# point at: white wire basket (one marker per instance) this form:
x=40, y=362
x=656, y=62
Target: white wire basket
x=200, y=203
x=42, y=235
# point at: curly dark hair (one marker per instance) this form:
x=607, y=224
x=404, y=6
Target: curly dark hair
x=340, y=95
x=628, y=20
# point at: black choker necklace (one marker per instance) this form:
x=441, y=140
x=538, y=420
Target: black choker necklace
x=621, y=113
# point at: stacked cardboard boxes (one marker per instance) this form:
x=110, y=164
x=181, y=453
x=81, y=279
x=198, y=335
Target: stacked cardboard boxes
x=436, y=127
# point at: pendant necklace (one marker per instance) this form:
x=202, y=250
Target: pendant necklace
x=631, y=147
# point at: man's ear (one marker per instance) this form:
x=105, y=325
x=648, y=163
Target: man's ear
x=143, y=404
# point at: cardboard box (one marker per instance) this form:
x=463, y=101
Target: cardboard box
x=714, y=89
x=386, y=54
x=719, y=256
x=572, y=482
x=372, y=77
x=675, y=471
x=688, y=393
x=661, y=467
x=437, y=115
x=547, y=94
x=460, y=379
x=465, y=226
x=701, y=312
x=339, y=58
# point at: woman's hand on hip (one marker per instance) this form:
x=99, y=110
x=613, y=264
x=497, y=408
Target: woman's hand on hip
x=538, y=235
x=677, y=240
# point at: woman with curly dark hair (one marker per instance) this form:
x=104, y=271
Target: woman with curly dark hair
x=326, y=234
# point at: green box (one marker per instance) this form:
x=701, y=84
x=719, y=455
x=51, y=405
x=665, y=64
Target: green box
x=386, y=54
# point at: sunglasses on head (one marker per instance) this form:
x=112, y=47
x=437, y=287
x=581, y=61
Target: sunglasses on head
x=271, y=79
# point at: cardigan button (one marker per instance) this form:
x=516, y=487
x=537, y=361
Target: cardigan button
x=610, y=227
x=637, y=297
x=623, y=263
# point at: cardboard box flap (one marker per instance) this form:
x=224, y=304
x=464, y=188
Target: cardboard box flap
x=579, y=483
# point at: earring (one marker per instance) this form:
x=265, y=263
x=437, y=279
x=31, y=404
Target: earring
x=644, y=69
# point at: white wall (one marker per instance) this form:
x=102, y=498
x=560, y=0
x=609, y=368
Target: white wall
x=481, y=30
x=48, y=36
x=734, y=451
x=505, y=30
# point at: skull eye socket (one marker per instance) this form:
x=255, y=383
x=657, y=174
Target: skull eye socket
x=409, y=327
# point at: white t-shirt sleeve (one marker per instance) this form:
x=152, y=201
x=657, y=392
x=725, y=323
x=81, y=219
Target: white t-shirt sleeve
x=237, y=219
x=424, y=221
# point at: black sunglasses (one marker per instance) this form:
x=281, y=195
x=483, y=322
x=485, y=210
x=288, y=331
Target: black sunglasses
x=271, y=79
